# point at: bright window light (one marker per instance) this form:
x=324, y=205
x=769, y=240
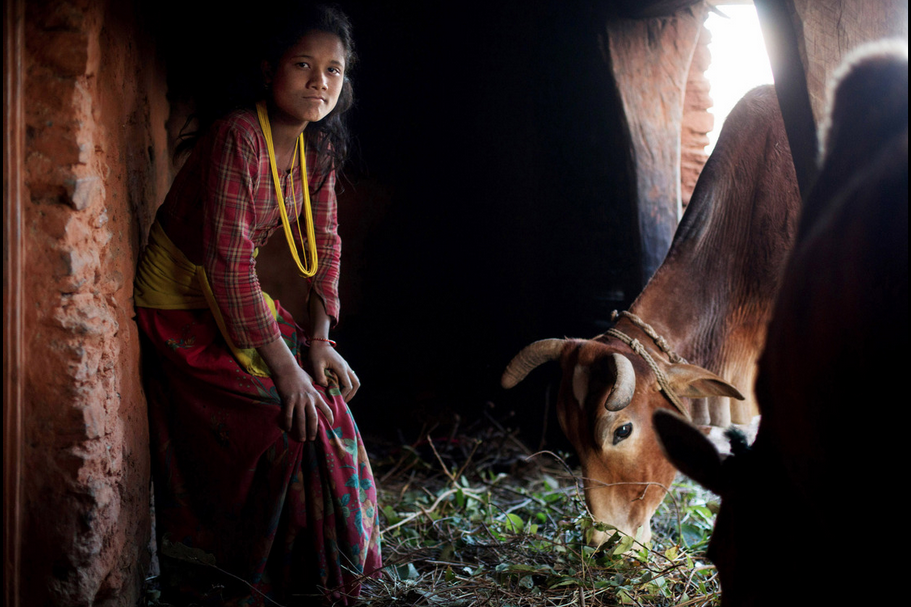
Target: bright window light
x=739, y=60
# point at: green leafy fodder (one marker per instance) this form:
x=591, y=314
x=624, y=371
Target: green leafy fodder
x=481, y=521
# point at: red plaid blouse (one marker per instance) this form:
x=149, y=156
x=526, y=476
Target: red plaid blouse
x=225, y=192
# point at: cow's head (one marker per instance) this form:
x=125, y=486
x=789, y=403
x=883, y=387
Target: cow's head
x=605, y=404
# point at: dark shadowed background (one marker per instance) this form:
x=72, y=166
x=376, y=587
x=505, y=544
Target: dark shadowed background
x=485, y=205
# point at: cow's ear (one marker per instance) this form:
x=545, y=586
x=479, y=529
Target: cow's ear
x=688, y=449
x=581, y=378
x=695, y=382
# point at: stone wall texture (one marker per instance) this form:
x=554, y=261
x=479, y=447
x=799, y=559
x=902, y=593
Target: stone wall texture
x=96, y=168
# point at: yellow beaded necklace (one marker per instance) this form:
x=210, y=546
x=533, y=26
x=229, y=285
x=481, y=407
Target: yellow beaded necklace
x=308, y=268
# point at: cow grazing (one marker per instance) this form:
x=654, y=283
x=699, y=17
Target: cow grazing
x=702, y=317
x=824, y=470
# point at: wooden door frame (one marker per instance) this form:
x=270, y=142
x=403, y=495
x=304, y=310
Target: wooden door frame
x=13, y=264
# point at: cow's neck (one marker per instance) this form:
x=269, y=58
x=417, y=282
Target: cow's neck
x=694, y=298
x=713, y=295
x=672, y=328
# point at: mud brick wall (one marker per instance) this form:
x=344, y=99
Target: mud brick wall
x=697, y=121
x=96, y=168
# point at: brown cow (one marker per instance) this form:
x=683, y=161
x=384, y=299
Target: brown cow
x=708, y=303
x=822, y=473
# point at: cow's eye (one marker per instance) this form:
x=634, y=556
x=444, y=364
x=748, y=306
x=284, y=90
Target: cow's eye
x=622, y=432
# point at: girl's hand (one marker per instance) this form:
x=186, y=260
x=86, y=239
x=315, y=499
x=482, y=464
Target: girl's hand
x=300, y=401
x=324, y=358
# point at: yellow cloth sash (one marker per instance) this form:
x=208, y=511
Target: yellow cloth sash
x=167, y=280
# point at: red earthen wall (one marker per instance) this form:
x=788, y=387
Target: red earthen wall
x=650, y=61
x=96, y=168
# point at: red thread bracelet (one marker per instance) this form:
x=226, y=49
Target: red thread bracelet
x=328, y=341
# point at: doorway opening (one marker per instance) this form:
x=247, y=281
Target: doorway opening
x=739, y=59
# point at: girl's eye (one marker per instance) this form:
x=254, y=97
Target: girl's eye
x=622, y=432
x=335, y=70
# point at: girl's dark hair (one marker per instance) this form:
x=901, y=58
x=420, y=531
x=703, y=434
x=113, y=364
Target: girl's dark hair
x=330, y=136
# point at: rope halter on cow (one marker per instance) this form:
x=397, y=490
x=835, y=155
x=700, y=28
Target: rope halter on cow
x=641, y=350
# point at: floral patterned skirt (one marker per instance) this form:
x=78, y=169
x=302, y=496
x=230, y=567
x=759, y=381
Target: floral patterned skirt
x=235, y=495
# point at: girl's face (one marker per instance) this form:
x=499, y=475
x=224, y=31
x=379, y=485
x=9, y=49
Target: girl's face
x=306, y=83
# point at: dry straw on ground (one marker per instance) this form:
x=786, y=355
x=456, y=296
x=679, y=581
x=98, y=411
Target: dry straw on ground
x=472, y=518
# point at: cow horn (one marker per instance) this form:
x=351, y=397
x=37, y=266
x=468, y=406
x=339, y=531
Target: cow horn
x=625, y=384
x=531, y=356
